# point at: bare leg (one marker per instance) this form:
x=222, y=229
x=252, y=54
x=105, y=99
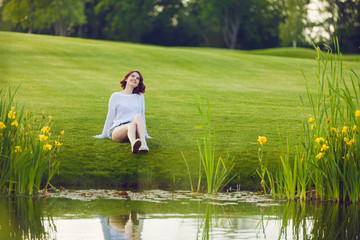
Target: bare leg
x=132, y=136
x=120, y=134
x=127, y=132
x=134, y=132
x=140, y=126
x=140, y=130
x=131, y=133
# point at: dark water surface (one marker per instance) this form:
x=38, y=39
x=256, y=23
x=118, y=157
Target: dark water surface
x=163, y=215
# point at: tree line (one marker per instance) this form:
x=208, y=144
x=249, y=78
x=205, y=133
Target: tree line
x=234, y=24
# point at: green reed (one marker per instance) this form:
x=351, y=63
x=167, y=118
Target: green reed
x=288, y=175
x=217, y=172
x=326, y=163
x=333, y=136
x=28, y=151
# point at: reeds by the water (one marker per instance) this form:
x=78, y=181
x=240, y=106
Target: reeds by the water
x=217, y=172
x=28, y=151
x=326, y=163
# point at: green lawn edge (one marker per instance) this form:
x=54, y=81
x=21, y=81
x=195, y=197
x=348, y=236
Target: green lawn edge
x=251, y=94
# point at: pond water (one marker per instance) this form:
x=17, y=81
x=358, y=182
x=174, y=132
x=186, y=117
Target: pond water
x=107, y=214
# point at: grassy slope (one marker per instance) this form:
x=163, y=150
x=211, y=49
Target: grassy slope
x=298, y=53
x=72, y=79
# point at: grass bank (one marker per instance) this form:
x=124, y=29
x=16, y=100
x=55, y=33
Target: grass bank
x=250, y=94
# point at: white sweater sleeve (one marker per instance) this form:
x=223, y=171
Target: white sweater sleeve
x=143, y=115
x=109, y=118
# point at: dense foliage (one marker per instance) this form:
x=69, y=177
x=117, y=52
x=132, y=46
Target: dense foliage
x=241, y=24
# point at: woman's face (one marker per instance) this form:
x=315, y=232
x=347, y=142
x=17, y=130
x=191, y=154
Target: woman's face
x=133, y=80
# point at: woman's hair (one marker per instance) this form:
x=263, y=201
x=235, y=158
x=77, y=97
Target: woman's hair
x=140, y=88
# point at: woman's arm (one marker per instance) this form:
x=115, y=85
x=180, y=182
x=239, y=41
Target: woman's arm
x=143, y=115
x=109, y=118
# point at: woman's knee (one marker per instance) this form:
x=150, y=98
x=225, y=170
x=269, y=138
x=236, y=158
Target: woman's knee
x=133, y=124
x=137, y=117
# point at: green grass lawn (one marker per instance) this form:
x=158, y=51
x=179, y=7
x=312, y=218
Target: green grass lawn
x=251, y=93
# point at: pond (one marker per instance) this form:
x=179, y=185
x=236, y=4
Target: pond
x=110, y=214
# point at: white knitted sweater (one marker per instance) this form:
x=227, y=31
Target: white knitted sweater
x=123, y=108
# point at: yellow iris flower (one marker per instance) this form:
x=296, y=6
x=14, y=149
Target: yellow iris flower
x=262, y=140
x=11, y=115
x=58, y=144
x=354, y=129
x=47, y=147
x=320, y=155
x=2, y=126
x=324, y=147
x=357, y=113
x=311, y=119
x=45, y=129
x=18, y=149
x=42, y=138
x=345, y=129
x=319, y=140
x=14, y=123
x=351, y=142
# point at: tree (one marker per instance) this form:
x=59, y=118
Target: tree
x=292, y=31
x=347, y=26
x=63, y=15
x=245, y=23
x=5, y=24
x=125, y=20
x=261, y=29
x=328, y=11
x=203, y=22
x=231, y=13
x=95, y=15
x=172, y=25
x=341, y=18
x=37, y=15
x=22, y=12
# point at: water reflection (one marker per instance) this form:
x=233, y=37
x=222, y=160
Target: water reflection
x=215, y=222
x=127, y=226
x=320, y=220
x=27, y=218
x=22, y=218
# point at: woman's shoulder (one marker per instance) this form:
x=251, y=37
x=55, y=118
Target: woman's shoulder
x=118, y=95
x=141, y=96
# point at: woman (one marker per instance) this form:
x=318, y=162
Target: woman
x=125, y=120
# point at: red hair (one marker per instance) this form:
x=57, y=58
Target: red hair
x=140, y=88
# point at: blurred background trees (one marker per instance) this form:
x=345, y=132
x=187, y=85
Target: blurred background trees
x=234, y=24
